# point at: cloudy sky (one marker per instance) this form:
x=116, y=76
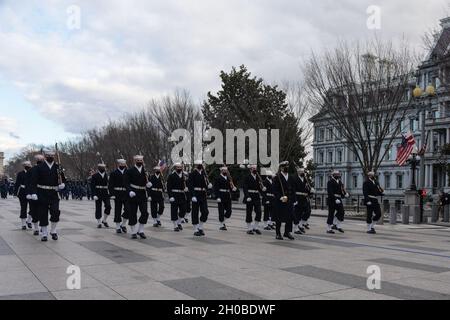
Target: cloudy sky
x=58, y=78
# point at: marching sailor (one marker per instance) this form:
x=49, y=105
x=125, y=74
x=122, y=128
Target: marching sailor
x=156, y=196
x=302, y=206
x=268, y=202
x=176, y=189
x=283, y=190
x=188, y=200
x=198, y=187
x=372, y=191
x=223, y=186
x=46, y=180
x=253, y=186
x=336, y=192
x=39, y=158
x=118, y=193
x=99, y=184
x=20, y=190
x=136, y=183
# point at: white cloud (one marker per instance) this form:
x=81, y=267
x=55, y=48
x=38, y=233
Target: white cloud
x=8, y=135
x=130, y=51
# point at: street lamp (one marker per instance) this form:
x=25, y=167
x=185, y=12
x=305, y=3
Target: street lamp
x=413, y=160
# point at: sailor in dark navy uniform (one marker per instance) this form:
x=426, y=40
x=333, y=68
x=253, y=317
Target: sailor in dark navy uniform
x=336, y=194
x=46, y=181
x=253, y=187
x=283, y=190
x=136, y=182
x=119, y=194
x=20, y=191
x=34, y=213
x=268, y=201
x=177, y=189
x=156, y=193
x=302, y=207
x=223, y=187
x=198, y=187
x=99, y=185
x=372, y=191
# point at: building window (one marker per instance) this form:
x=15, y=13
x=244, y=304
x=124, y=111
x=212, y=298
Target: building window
x=330, y=157
x=388, y=153
x=321, y=159
x=399, y=181
x=320, y=181
x=321, y=134
x=339, y=156
x=329, y=134
x=387, y=181
x=355, y=157
x=355, y=182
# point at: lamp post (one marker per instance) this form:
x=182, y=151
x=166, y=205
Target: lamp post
x=414, y=160
x=419, y=96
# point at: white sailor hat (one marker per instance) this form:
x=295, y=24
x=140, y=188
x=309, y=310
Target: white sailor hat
x=39, y=157
x=269, y=173
x=301, y=170
x=101, y=165
x=222, y=168
x=49, y=152
x=157, y=168
x=26, y=164
x=252, y=166
x=371, y=174
x=335, y=172
x=284, y=163
x=121, y=161
x=198, y=162
x=138, y=158
x=177, y=164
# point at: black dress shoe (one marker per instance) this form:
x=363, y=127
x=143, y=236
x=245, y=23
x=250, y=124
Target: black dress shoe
x=279, y=237
x=201, y=232
x=330, y=232
x=250, y=232
x=180, y=227
x=306, y=226
x=44, y=239
x=54, y=236
x=256, y=231
x=340, y=230
x=298, y=232
x=99, y=226
x=124, y=229
x=185, y=220
x=29, y=225
x=197, y=234
x=224, y=228
x=142, y=235
x=24, y=228
x=159, y=223
x=134, y=236
x=302, y=230
x=176, y=229
x=36, y=233
x=372, y=231
x=268, y=228
x=289, y=236
x=105, y=224
x=334, y=227
x=119, y=231
x=155, y=225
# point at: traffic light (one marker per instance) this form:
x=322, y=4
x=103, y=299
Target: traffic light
x=422, y=193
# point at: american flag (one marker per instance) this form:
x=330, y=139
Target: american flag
x=162, y=164
x=424, y=146
x=405, y=149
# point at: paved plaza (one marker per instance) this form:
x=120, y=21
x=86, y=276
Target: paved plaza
x=414, y=261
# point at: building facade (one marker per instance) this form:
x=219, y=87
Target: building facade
x=331, y=152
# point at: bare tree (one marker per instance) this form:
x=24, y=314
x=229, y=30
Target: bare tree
x=362, y=90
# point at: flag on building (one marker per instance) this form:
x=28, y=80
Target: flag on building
x=424, y=146
x=405, y=149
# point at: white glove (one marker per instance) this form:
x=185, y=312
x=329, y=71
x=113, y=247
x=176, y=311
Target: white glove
x=264, y=189
x=149, y=185
x=219, y=200
x=369, y=203
x=249, y=199
x=194, y=199
x=338, y=201
x=172, y=199
x=347, y=195
x=34, y=197
x=149, y=198
x=95, y=198
x=210, y=186
x=132, y=194
x=267, y=202
x=62, y=186
x=313, y=190
x=295, y=204
x=234, y=189
x=28, y=196
x=113, y=197
x=186, y=189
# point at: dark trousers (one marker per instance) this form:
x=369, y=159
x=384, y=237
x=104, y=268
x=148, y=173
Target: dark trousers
x=267, y=211
x=335, y=210
x=120, y=205
x=202, y=206
x=23, y=207
x=301, y=212
x=224, y=210
x=283, y=214
x=256, y=206
x=34, y=211
x=177, y=210
x=157, y=208
x=48, y=207
x=143, y=208
x=373, y=212
x=98, y=207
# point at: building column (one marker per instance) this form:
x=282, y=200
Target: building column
x=448, y=136
x=426, y=176
x=431, y=176
x=431, y=137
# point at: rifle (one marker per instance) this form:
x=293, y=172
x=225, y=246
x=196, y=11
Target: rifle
x=60, y=169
